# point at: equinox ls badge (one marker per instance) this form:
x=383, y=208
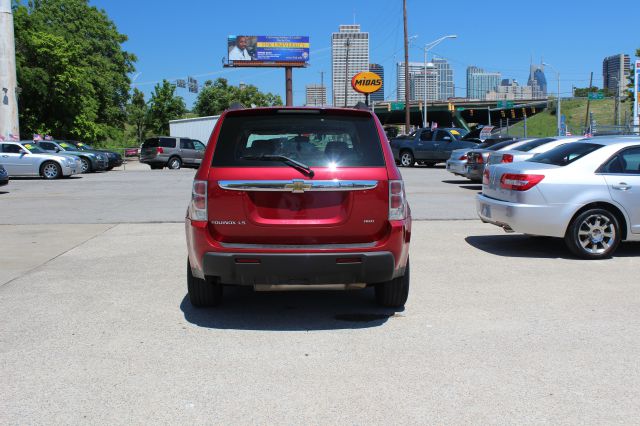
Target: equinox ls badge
x=297, y=186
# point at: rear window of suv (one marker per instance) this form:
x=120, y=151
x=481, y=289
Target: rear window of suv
x=162, y=142
x=315, y=139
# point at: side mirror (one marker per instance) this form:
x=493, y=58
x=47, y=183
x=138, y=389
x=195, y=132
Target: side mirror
x=57, y=149
x=23, y=152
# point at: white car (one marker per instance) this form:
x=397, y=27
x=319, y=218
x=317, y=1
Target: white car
x=26, y=159
x=587, y=192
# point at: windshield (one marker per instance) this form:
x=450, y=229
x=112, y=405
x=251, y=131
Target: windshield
x=67, y=146
x=459, y=133
x=34, y=149
x=315, y=140
x=565, y=154
x=79, y=146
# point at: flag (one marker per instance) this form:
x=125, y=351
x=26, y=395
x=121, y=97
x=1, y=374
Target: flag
x=569, y=133
x=13, y=137
x=588, y=135
x=48, y=138
x=37, y=137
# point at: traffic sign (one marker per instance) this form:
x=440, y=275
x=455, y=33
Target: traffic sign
x=505, y=104
x=459, y=109
x=397, y=106
x=596, y=95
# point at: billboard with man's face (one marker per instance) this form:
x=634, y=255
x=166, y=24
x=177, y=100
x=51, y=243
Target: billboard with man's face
x=246, y=50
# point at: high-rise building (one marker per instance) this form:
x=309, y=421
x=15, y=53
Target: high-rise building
x=417, y=82
x=446, y=88
x=616, y=70
x=377, y=96
x=510, y=90
x=537, y=81
x=316, y=95
x=349, y=56
x=479, y=83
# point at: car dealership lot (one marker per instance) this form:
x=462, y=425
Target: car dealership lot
x=498, y=328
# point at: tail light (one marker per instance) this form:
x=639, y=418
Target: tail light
x=159, y=150
x=479, y=159
x=463, y=157
x=485, y=176
x=198, y=204
x=397, y=200
x=519, y=182
x=507, y=158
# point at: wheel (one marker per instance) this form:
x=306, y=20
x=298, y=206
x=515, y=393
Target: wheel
x=430, y=164
x=407, y=159
x=174, y=163
x=109, y=168
x=394, y=293
x=86, y=165
x=593, y=234
x=203, y=293
x=50, y=170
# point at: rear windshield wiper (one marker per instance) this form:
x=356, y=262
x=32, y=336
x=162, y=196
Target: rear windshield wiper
x=286, y=160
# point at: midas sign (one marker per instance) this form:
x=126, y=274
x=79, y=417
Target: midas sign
x=366, y=82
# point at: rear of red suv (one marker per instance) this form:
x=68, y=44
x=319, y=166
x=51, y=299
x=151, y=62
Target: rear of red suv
x=295, y=198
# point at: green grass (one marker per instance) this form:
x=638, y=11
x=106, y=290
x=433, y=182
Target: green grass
x=545, y=123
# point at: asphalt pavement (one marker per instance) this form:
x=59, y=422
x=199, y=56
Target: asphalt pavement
x=499, y=328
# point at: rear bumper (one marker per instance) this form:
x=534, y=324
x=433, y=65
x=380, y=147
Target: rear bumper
x=377, y=262
x=303, y=268
x=534, y=219
x=457, y=167
x=475, y=171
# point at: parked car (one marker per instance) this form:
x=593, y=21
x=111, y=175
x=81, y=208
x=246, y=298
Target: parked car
x=428, y=147
x=171, y=152
x=4, y=176
x=587, y=192
x=477, y=158
x=529, y=149
x=457, y=162
x=131, y=152
x=114, y=159
x=24, y=158
x=91, y=161
x=291, y=198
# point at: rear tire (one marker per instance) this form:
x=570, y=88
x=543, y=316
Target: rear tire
x=174, y=163
x=407, y=159
x=593, y=234
x=50, y=170
x=394, y=293
x=203, y=293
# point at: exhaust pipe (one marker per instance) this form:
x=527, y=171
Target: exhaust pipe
x=308, y=287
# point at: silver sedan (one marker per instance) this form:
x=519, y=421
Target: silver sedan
x=529, y=149
x=587, y=192
x=26, y=159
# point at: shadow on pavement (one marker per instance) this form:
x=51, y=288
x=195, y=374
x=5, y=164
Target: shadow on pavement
x=458, y=181
x=472, y=187
x=518, y=245
x=45, y=180
x=244, y=309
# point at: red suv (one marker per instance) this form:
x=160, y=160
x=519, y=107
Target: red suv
x=298, y=198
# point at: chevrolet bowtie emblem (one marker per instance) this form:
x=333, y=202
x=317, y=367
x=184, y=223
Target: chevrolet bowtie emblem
x=298, y=186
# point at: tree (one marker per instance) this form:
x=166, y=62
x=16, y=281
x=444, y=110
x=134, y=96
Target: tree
x=630, y=98
x=583, y=92
x=71, y=69
x=138, y=114
x=216, y=96
x=164, y=105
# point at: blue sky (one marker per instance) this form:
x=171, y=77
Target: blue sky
x=177, y=39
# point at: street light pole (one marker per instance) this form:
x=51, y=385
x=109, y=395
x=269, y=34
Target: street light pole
x=558, y=108
x=428, y=47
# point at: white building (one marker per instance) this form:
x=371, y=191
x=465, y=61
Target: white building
x=510, y=90
x=199, y=128
x=446, y=88
x=316, y=95
x=349, y=56
x=416, y=82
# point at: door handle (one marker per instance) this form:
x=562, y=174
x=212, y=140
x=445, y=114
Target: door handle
x=622, y=186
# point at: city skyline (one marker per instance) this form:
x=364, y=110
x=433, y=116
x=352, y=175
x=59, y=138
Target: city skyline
x=574, y=49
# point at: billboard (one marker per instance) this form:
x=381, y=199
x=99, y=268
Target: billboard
x=244, y=50
x=636, y=105
x=366, y=82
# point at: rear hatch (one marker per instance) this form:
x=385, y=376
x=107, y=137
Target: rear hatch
x=256, y=197
x=149, y=149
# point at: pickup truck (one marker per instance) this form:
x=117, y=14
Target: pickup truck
x=428, y=146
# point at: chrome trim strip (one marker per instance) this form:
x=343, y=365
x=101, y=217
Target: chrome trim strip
x=298, y=185
x=297, y=246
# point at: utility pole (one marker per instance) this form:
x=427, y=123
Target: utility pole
x=586, y=118
x=346, y=72
x=407, y=107
x=8, y=79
